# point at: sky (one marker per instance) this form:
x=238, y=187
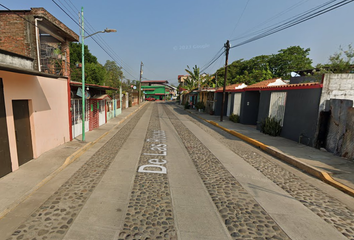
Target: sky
x=167, y=36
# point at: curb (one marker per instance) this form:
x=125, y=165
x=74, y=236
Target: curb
x=67, y=162
x=324, y=176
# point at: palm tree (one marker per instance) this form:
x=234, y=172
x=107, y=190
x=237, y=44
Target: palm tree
x=207, y=81
x=194, y=76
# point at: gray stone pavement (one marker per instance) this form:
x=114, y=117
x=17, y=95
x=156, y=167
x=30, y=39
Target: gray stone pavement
x=215, y=188
x=20, y=184
x=339, y=168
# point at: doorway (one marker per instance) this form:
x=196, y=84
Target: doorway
x=22, y=131
x=5, y=158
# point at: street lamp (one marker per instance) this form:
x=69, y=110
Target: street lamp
x=83, y=66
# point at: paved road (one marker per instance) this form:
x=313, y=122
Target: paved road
x=166, y=175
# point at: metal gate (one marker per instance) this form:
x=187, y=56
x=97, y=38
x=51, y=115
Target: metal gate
x=237, y=103
x=102, y=112
x=76, y=117
x=277, y=106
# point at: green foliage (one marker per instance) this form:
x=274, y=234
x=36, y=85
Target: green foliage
x=271, y=126
x=76, y=52
x=186, y=105
x=234, y=118
x=95, y=73
x=114, y=74
x=339, y=62
x=199, y=105
x=193, y=79
x=288, y=60
x=265, y=67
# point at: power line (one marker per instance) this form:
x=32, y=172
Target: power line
x=250, y=33
x=123, y=64
x=297, y=20
x=312, y=13
x=94, y=39
x=216, y=57
x=238, y=21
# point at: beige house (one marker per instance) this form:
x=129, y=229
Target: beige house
x=34, y=85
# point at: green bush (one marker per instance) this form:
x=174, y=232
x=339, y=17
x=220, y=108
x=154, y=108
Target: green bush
x=271, y=126
x=186, y=105
x=200, y=105
x=234, y=118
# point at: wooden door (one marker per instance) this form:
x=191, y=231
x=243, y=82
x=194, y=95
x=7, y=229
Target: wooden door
x=5, y=158
x=22, y=130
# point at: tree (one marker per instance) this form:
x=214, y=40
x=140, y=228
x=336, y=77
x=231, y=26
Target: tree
x=265, y=67
x=288, y=60
x=95, y=73
x=339, y=62
x=193, y=80
x=207, y=80
x=90, y=61
x=114, y=74
x=246, y=71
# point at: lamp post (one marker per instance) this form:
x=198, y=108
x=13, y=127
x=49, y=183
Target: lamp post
x=83, y=66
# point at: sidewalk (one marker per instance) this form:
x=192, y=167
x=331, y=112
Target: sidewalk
x=332, y=169
x=17, y=186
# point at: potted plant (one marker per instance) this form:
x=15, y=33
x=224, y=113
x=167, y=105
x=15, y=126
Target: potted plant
x=200, y=106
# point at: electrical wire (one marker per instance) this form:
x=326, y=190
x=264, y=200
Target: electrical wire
x=238, y=21
x=205, y=68
x=250, y=33
x=95, y=40
x=297, y=20
x=209, y=63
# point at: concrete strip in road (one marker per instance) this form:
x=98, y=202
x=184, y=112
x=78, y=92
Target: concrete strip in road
x=294, y=218
x=324, y=176
x=104, y=212
x=196, y=216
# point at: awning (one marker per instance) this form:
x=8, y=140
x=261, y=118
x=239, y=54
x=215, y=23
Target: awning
x=101, y=97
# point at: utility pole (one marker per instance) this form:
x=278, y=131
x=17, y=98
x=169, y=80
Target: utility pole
x=83, y=73
x=141, y=73
x=227, y=48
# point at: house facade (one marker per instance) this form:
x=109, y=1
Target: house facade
x=99, y=107
x=34, y=85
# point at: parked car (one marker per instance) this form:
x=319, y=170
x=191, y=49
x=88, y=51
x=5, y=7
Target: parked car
x=150, y=99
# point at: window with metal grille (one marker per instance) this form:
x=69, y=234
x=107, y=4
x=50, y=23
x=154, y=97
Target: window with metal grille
x=277, y=106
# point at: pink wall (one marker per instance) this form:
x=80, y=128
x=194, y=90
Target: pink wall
x=48, y=106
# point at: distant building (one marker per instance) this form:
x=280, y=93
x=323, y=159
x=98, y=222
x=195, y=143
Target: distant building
x=158, y=89
x=182, y=79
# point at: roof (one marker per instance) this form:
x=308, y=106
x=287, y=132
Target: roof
x=100, y=97
x=179, y=76
x=207, y=90
x=10, y=68
x=73, y=83
x=263, y=84
x=155, y=81
x=237, y=87
x=48, y=23
x=49, y=20
x=294, y=86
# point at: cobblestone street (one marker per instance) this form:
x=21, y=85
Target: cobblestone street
x=164, y=174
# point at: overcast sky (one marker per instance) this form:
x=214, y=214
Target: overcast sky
x=169, y=35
